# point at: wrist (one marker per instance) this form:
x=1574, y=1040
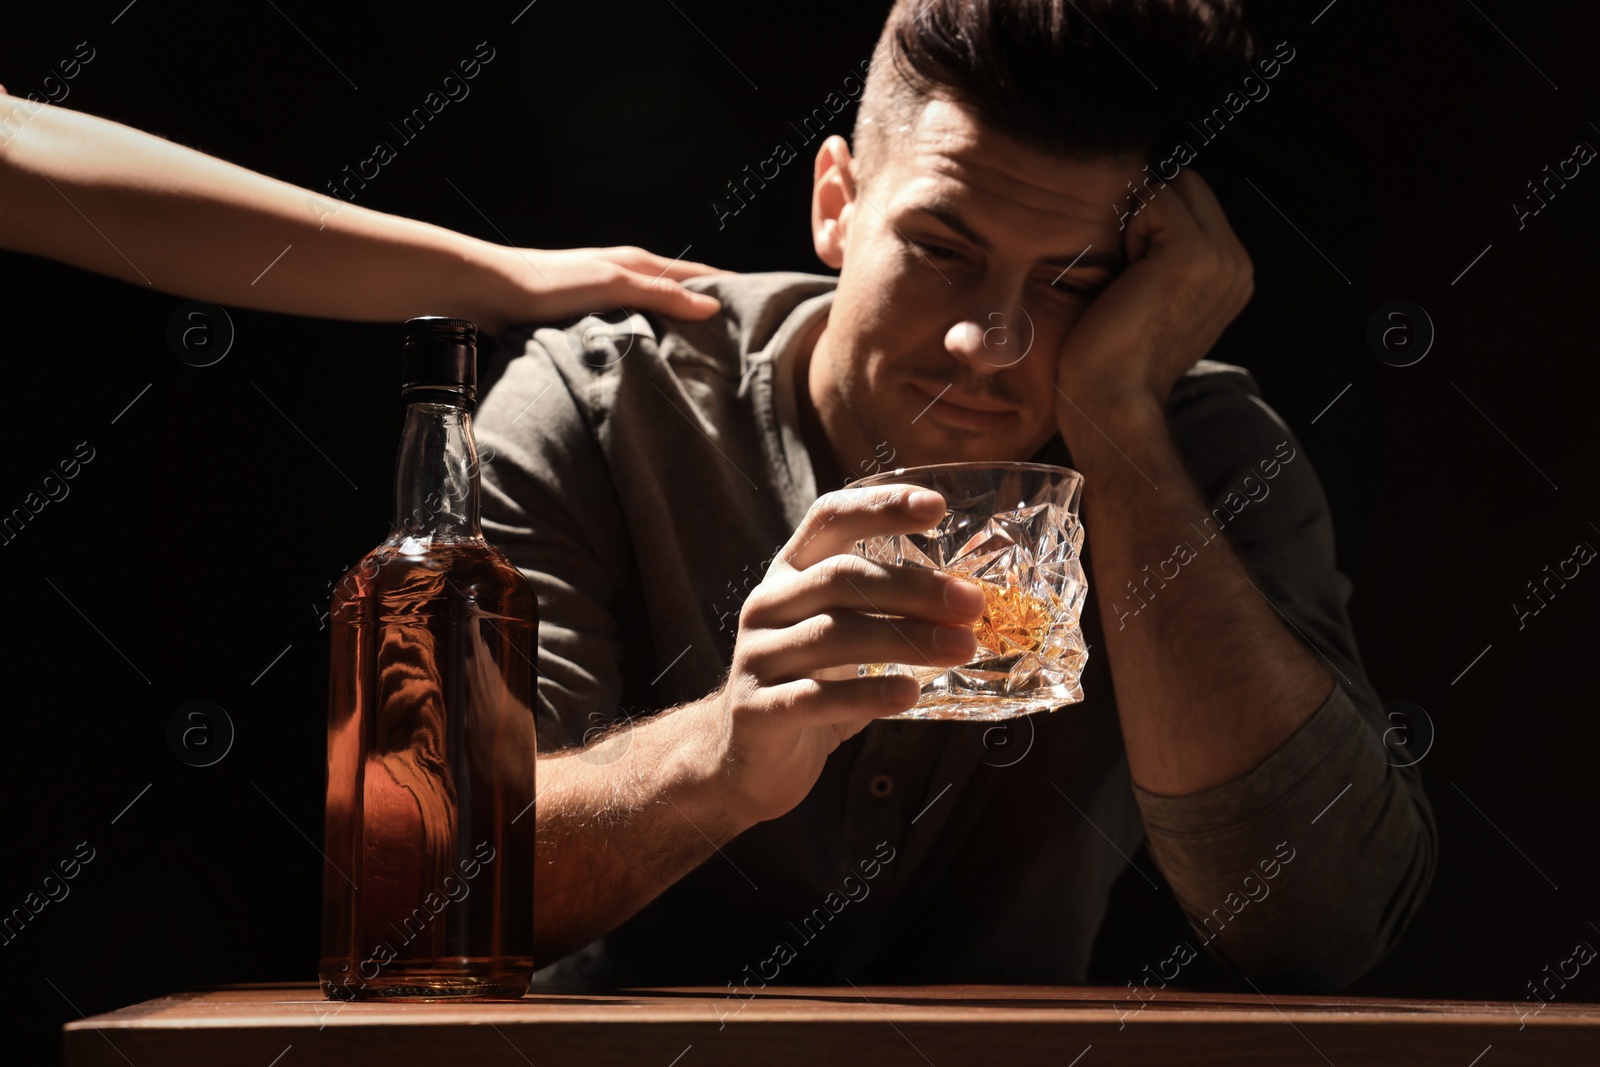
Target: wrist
x=487, y=284
x=1106, y=424
x=704, y=779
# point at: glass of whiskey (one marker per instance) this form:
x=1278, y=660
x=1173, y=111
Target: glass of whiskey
x=1013, y=529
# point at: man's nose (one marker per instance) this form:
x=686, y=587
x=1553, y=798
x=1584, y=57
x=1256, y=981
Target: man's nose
x=994, y=332
x=992, y=340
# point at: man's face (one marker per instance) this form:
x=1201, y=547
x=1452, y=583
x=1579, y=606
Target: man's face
x=965, y=257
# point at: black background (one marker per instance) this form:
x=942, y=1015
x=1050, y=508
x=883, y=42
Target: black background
x=200, y=541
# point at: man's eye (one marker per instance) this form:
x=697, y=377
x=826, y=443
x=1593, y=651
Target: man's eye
x=1061, y=285
x=936, y=251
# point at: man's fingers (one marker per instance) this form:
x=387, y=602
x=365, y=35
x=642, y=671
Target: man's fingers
x=841, y=518
x=1234, y=266
x=856, y=701
x=1187, y=223
x=1206, y=210
x=844, y=637
x=1165, y=221
x=854, y=583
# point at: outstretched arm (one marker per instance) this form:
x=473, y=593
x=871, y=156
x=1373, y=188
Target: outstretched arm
x=117, y=201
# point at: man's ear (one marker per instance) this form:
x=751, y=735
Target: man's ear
x=833, y=199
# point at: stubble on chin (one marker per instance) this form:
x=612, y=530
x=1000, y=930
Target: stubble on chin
x=874, y=413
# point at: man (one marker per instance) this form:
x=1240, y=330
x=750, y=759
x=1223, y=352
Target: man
x=659, y=483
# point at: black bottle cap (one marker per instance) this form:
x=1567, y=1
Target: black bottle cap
x=440, y=360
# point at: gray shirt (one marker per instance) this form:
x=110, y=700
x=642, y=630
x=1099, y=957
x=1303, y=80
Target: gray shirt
x=643, y=472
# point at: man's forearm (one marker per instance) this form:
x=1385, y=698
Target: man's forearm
x=1209, y=679
x=114, y=200
x=621, y=820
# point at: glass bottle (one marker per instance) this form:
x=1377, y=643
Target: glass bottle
x=428, y=881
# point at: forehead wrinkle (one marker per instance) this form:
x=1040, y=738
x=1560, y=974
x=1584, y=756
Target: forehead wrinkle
x=946, y=139
x=1053, y=221
x=1054, y=198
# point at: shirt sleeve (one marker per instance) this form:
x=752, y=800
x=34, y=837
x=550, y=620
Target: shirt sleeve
x=548, y=503
x=1302, y=873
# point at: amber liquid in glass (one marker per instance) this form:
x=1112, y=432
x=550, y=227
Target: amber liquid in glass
x=1014, y=619
x=429, y=808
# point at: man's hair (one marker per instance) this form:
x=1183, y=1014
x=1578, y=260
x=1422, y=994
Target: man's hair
x=1073, y=78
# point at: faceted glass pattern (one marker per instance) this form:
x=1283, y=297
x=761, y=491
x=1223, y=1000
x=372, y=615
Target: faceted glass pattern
x=1014, y=529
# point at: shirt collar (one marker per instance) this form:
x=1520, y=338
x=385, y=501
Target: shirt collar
x=784, y=352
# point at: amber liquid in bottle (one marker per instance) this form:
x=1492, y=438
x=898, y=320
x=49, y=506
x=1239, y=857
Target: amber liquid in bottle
x=428, y=884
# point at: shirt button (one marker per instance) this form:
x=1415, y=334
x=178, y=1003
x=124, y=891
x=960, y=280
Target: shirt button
x=881, y=785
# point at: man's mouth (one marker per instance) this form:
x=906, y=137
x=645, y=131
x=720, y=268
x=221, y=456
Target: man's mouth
x=961, y=409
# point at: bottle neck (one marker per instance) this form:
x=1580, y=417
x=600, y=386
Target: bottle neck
x=436, y=476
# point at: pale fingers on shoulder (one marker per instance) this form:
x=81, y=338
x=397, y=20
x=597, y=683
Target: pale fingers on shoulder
x=588, y=277
x=664, y=295
x=839, y=519
x=646, y=262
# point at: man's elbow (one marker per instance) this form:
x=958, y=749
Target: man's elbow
x=1337, y=930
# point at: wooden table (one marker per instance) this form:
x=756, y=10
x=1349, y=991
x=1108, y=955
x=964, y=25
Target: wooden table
x=291, y=1025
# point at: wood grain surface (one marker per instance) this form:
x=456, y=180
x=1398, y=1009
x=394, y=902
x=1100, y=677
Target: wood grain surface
x=291, y=1025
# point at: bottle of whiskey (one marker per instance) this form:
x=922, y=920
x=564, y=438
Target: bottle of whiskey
x=428, y=884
